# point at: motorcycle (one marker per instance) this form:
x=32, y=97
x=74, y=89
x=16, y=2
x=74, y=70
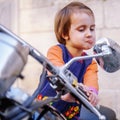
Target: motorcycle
x=14, y=107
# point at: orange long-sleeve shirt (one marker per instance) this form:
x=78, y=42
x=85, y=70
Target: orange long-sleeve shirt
x=55, y=55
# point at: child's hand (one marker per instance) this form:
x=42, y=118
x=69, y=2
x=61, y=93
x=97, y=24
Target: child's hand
x=68, y=97
x=92, y=97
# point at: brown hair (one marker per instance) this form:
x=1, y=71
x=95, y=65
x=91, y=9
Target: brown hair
x=63, y=22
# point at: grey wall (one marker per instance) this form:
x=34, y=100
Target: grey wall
x=33, y=21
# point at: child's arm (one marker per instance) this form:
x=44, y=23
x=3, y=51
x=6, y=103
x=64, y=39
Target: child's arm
x=91, y=77
x=91, y=83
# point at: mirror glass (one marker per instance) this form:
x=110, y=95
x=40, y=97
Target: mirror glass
x=111, y=62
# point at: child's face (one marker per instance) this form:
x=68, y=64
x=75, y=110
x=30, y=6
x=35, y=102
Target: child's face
x=82, y=31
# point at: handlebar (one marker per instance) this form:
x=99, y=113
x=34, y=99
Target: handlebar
x=65, y=81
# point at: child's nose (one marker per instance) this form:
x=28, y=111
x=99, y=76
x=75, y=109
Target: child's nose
x=88, y=33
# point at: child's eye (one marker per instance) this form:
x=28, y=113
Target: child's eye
x=81, y=30
x=92, y=29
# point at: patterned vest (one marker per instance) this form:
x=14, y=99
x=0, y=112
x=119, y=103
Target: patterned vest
x=69, y=109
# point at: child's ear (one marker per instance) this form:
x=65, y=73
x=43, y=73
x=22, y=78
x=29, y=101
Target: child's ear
x=66, y=37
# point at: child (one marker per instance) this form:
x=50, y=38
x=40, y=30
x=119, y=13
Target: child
x=75, y=32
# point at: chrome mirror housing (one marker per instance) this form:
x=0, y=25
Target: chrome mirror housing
x=111, y=62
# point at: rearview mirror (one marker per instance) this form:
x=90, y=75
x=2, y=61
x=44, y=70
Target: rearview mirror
x=111, y=62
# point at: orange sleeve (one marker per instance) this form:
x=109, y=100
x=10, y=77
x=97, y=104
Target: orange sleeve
x=91, y=77
x=55, y=56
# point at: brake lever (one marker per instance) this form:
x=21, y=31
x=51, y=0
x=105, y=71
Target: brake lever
x=82, y=92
